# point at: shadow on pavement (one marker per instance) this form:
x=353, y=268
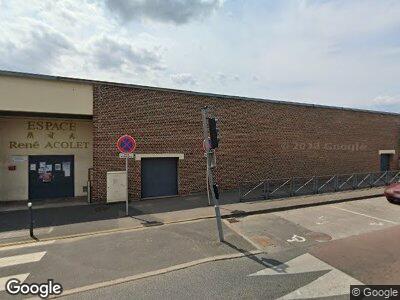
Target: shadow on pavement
x=262, y=261
x=82, y=212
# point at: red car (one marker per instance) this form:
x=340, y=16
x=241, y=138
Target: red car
x=392, y=193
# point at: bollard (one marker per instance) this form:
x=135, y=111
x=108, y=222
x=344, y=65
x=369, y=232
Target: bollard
x=31, y=219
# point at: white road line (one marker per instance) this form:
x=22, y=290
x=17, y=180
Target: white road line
x=333, y=283
x=21, y=259
x=21, y=246
x=364, y=215
x=3, y=280
x=300, y=264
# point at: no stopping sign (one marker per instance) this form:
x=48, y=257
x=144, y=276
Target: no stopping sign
x=126, y=144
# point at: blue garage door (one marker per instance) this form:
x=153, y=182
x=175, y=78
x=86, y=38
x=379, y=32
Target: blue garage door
x=159, y=177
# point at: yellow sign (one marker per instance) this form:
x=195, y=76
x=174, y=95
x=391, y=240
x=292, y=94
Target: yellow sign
x=51, y=125
x=50, y=135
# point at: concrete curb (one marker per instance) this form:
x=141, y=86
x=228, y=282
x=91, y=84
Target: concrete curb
x=101, y=232
x=224, y=215
x=297, y=206
x=155, y=273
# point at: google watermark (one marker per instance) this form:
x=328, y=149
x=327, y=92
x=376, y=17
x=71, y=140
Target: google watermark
x=304, y=146
x=43, y=290
x=375, y=292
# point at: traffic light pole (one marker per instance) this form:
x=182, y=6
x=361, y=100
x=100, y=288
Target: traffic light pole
x=210, y=176
x=208, y=186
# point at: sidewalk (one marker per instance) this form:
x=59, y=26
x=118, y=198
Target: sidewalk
x=68, y=221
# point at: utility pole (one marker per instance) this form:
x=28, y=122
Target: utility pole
x=209, y=129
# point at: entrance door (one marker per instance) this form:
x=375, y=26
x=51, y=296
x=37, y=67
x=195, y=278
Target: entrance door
x=159, y=177
x=51, y=176
x=385, y=162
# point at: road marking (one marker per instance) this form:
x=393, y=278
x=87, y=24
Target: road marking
x=321, y=220
x=3, y=280
x=296, y=238
x=154, y=273
x=333, y=283
x=376, y=223
x=21, y=259
x=21, y=246
x=364, y=215
x=301, y=264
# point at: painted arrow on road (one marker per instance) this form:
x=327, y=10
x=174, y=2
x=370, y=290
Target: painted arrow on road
x=333, y=283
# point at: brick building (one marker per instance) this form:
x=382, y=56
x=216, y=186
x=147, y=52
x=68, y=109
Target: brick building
x=259, y=138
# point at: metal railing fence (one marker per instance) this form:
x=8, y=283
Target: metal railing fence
x=301, y=186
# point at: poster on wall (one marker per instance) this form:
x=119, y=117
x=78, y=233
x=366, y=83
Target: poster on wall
x=66, y=165
x=32, y=167
x=41, y=170
x=19, y=158
x=57, y=167
x=42, y=164
x=46, y=177
x=49, y=168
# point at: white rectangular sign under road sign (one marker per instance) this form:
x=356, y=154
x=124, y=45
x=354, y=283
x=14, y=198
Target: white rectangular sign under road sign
x=126, y=155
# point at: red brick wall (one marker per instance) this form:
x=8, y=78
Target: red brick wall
x=258, y=139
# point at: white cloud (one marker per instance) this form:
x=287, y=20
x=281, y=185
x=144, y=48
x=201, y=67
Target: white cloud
x=342, y=52
x=37, y=48
x=183, y=79
x=390, y=103
x=386, y=100
x=168, y=11
x=221, y=78
x=75, y=38
x=111, y=54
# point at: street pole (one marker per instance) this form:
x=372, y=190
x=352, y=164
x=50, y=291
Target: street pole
x=207, y=182
x=204, y=112
x=127, y=185
x=31, y=220
x=126, y=145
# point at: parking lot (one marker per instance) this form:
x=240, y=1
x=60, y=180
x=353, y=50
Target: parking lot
x=359, y=240
x=313, y=225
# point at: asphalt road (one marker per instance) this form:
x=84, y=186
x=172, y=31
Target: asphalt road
x=218, y=280
x=306, y=253
x=83, y=261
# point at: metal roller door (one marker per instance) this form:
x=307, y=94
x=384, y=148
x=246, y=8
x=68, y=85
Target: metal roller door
x=159, y=177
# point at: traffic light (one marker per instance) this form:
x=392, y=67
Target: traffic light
x=216, y=191
x=212, y=125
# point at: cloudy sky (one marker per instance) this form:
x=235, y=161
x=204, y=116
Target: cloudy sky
x=338, y=52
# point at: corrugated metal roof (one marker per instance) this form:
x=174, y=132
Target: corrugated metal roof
x=89, y=81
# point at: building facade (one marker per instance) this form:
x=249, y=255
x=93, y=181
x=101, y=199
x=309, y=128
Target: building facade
x=72, y=125
x=46, y=137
